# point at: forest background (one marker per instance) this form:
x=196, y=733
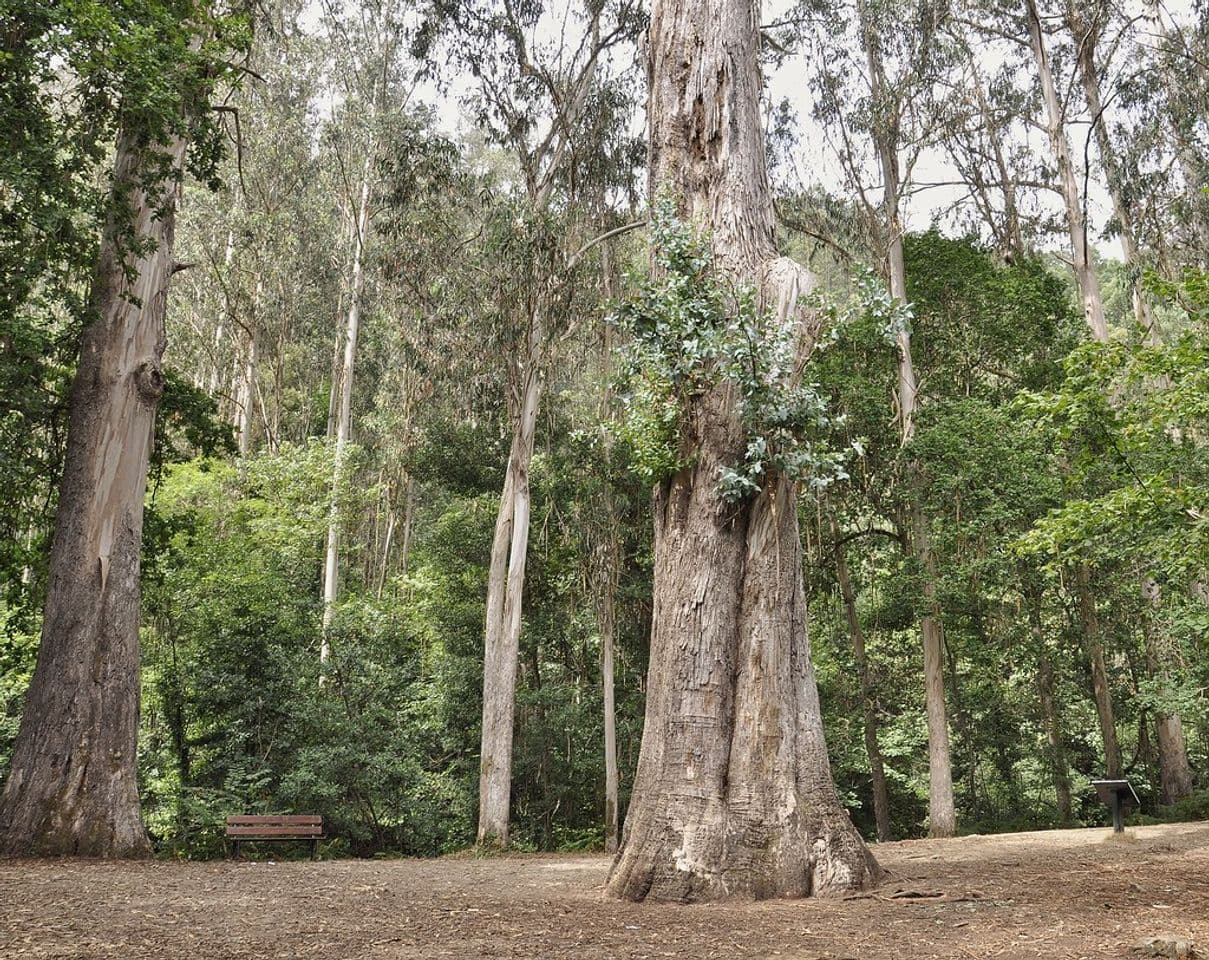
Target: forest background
x=381, y=319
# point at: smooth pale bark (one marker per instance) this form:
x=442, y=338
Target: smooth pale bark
x=405, y=545
x=607, y=575
x=505, y=587
x=409, y=508
x=344, y=411
x=1085, y=274
x=214, y=383
x=733, y=794
x=996, y=136
x=877, y=772
x=1059, y=768
x=942, y=812
x=506, y=577
x=1169, y=730
x=1175, y=775
x=943, y=815
x=1094, y=646
x=608, y=621
x=72, y=787
x=884, y=141
x=243, y=402
x=1085, y=61
x=1191, y=159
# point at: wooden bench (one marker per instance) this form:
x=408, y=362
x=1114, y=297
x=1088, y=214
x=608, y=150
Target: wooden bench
x=307, y=828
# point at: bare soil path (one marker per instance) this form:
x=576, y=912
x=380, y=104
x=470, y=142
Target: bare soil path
x=1059, y=894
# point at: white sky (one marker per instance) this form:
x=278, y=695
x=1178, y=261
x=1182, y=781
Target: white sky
x=813, y=158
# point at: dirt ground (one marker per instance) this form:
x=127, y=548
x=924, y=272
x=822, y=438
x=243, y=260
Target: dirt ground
x=1061, y=894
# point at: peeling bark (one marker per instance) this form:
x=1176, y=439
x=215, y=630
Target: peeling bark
x=72, y=789
x=733, y=795
x=942, y=812
x=505, y=587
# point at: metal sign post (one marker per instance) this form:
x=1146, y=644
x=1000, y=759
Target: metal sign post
x=1116, y=794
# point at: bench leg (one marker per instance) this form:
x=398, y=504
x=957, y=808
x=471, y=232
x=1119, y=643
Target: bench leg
x=234, y=849
x=314, y=849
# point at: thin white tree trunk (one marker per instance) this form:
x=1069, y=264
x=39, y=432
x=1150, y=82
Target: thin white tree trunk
x=995, y=137
x=877, y=772
x=214, y=381
x=1101, y=690
x=608, y=626
x=388, y=542
x=247, y=387
x=1089, y=78
x=1085, y=274
x=943, y=816
x=505, y=590
x=1190, y=158
x=344, y=417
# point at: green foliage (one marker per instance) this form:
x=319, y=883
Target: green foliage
x=1130, y=418
x=691, y=333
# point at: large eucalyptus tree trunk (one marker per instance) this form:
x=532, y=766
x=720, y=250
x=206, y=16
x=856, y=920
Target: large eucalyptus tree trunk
x=72, y=788
x=733, y=795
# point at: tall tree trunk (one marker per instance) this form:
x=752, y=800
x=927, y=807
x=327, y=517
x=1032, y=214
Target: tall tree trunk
x=72, y=788
x=1059, y=769
x=607, y=626
x=608, y=569
x=1175, y=775
x=996, y=136
x=409, y=507
x=1182, y=123
x=1094, y=646
x=505, y=588
x=943, y=815
x=344, y=415
x=214, y=382
x=1173, y=759
x=1085, y=274
x=877, y=773
x=243, y=402
x=1085, y=35
x=733, y=795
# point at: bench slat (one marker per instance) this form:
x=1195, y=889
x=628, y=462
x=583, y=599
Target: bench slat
x=283, y=820
x=302, y=832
